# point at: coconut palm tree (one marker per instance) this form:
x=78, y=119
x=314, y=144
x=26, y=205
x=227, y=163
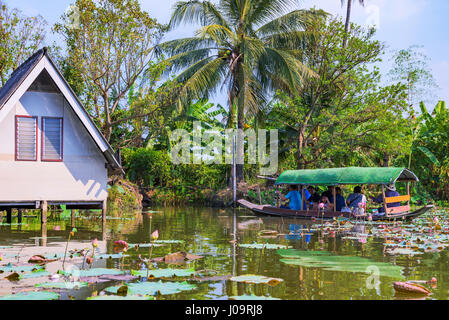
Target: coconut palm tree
x=348, y=16
x=248, y=47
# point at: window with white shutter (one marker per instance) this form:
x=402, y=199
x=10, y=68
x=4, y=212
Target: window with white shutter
x=26, y=138
x=52, y=139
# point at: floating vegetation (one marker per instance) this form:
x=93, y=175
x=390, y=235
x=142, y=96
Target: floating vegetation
x=114, y=297
x=62, y=285
x=94, y=272
x=19, y=269
x=154, y=288
x=250, y=278
x=268, y=246
x=164, y=273
x=32, y=295
x=252, y=297
x=328, y=261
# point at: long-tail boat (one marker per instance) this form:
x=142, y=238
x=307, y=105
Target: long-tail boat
x=334, y=177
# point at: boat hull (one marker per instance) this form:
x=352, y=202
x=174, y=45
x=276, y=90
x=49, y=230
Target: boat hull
x=310, y=214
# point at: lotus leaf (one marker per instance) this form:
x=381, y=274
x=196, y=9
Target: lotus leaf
x=263, y=246
x=95, y=272
x=62, y=285
x=250, y=278
x=327, y=261
x=32, y=295
x=164, y=273
x=112, y=297
x=152, y=288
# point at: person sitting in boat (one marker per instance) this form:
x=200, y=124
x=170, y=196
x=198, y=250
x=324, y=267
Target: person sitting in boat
x=328, y=205
x=339, y=199
x=294, y=198
x=390, y=192
x=315, y=197
x=328, y=192
x=355, y=198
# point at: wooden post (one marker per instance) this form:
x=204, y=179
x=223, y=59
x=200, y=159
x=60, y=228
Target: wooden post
x=408, y=192
x=334, y=194
x=104, y=211
x=385, y=203
x=43, y=240
x=44, y=208
x=303, y=197
x=103, y=218
x=260, y=196
x=19, y=215
x=8, y=215
x=72, y=218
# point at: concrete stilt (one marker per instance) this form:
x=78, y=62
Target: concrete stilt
x=43, y=239
x=44, y=208
x=8, y=215
x=19, y=215
x=103, y=220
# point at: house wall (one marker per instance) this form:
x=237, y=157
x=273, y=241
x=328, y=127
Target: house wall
x=81, y=176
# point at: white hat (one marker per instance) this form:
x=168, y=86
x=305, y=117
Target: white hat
x=391, y=187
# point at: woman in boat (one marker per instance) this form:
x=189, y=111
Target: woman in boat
x=355, y=198
x=390, y=192
x=294, y=198
x=339, y=199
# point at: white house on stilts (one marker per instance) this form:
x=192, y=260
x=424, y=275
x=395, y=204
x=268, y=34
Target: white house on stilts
x=51, y=152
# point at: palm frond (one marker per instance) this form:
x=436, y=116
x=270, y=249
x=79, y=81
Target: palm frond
x=194, y=11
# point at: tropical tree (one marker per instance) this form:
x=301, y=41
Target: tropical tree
x=348, y=16
x=20, y=36
x=249, y=47
x=109, y=46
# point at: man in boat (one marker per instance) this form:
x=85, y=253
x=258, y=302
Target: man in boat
x=390, y=192
x=339, y=199
x=315, y=197
x=355, y=198
x=294, y=198
x=307, y=196
x=328, y=192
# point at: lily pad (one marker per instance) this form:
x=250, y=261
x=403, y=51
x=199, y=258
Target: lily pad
x=10, y=268
x=109, y=256
x=263, y=246
x=32, y=295
x=255, y=279
x=164, y=273
x=153, y=288
x=252, y=297
x=62, y=285
x=327, y=261
x=95, y=272
x=113, y=297
x=35, y=274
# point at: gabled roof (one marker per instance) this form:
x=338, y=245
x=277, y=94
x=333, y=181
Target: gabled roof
x=349, y=175
x=23, y=77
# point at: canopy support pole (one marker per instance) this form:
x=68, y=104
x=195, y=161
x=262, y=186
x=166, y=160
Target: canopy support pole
x=303, y=198
x=334, y=193
x=408, y=192
x=385, y=203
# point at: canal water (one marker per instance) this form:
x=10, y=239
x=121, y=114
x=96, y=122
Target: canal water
x=243, y=256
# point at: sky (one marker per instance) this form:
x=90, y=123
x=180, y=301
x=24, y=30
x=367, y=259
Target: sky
x=400, y=24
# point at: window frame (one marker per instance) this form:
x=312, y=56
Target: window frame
x=16, y=154
x=42, y=140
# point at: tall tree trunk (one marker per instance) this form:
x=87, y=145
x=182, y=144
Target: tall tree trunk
x=348, y=21
x=240, y=148
x=386, y=159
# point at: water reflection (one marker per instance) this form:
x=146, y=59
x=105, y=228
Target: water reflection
x=216, y=235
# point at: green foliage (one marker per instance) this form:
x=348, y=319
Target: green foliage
x=20, y=36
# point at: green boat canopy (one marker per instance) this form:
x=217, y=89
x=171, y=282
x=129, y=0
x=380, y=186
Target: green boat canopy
x=350, y=175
